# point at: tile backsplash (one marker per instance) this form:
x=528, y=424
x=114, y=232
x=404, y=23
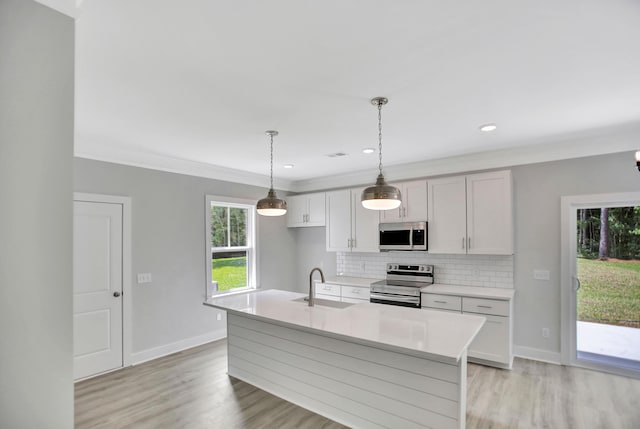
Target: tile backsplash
x=463, y=270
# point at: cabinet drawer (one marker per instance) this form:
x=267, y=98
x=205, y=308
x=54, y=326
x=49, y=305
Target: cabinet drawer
x=327, y=289
x=354, y=300
x=356, y=292
x=328, y=297
x=485, y=306
x=444, y=302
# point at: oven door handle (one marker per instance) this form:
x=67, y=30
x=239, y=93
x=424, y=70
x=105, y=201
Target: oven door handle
x=398, y=298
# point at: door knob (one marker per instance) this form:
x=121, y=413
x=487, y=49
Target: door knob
x=116, y=294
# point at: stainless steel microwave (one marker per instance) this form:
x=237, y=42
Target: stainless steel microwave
x=403, y=236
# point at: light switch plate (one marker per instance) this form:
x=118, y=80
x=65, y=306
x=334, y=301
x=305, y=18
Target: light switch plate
x=144, y=278
x=541, y=274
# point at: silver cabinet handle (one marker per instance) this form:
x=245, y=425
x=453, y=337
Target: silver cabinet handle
x=353, y=243
x=116, y=294
x=469, y=243
x=441, y=302
x=484, y=306
x=463, y=242
x=355, y=290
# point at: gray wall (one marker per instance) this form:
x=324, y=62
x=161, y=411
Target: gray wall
x=168, y=227
x=311, y=252
x=538, y=188
x=36, y=146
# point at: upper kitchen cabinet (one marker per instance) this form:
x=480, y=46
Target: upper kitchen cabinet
x=471, y=214
x=306, y=210
x=350, y=227
x=414, y=203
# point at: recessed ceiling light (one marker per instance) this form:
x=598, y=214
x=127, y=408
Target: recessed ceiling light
x=336, y=154
x=368, y=150
x=288, y=166
x=488, y=127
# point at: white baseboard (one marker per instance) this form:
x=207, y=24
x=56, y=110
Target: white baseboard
x=157, y=352
x=537, y=354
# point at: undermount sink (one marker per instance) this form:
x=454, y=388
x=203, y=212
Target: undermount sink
x=324, y=302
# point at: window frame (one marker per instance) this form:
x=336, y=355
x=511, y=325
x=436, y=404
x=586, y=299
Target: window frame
x=250, y=248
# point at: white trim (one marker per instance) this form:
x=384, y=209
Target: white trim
x=537, y=354
x=252, y=249
x=127, y=290
x=600, y=142
x=178, y=346
x=568, y=224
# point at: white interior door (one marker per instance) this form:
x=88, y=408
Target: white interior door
x=97, y=287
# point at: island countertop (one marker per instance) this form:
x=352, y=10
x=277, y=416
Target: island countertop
x=433, y=334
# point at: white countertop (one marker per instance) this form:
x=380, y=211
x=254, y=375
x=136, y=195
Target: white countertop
x=350, y=281
x=428, y=333
x=470, y=291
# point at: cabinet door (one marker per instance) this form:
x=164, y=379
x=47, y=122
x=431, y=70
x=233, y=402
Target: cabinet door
x=338, y=221
x=394, y=215
x=492, y=342
x=316, y=209
x=447, y=215
x=414, y=201
x=489, y=213
x=364, y=226
x=296, y=210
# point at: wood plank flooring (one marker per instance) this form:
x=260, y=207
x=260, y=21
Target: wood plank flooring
x=191, y=389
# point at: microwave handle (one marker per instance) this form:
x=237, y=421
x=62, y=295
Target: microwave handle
x=411, y=237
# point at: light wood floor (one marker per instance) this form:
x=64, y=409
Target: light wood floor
x=191, y=389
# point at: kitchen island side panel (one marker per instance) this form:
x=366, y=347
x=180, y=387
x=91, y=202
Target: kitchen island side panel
x=354, y=384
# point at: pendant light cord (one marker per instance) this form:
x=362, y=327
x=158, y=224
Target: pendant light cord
x=380, y=136
x=271, y=171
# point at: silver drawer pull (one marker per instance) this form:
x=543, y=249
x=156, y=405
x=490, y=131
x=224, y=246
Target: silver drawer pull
x=355, y=290
x=326, y=288
x=441, y=302
x=484, y=306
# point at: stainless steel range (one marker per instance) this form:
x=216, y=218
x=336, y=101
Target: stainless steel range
x=402, y=285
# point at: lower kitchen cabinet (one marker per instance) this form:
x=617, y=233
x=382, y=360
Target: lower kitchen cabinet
x=346, y=292
x=494, y=343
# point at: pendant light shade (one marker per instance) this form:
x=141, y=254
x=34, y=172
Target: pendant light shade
x=271, y=205
x=381, y=196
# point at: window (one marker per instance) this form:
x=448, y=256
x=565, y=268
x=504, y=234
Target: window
x=230, y=247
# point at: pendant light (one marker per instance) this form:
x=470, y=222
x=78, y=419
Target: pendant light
x=381, y=196
x=272, y=205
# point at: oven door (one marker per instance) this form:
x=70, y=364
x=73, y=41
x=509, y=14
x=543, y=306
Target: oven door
x=406, y=296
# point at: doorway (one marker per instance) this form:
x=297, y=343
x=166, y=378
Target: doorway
x=601, y=282
x=101, y=285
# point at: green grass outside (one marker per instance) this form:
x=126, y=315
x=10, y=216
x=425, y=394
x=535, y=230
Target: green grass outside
x=609, y=292
x=230, y=273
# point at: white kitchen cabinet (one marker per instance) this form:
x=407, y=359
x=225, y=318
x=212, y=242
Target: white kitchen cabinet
x=490, y=213
x=327, y=291
x=414, y=203
x=494, y=343
x=447, y=215
x=306, y=210
x=471, y=214
x=349, y=226
x=345, y=292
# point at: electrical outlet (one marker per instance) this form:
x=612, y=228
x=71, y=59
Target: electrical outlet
x=541, y=274
x=144, y=278
x=219, y=316
x=545, y=332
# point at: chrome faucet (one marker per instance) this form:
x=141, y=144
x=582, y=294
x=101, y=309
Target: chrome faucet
x=311, y=291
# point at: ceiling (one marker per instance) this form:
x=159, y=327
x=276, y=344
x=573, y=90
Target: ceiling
x=195, y=83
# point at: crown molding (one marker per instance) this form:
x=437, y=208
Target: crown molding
x=160, y=162
x=624, y=139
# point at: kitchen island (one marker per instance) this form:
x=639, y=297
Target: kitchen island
x=364, y=365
